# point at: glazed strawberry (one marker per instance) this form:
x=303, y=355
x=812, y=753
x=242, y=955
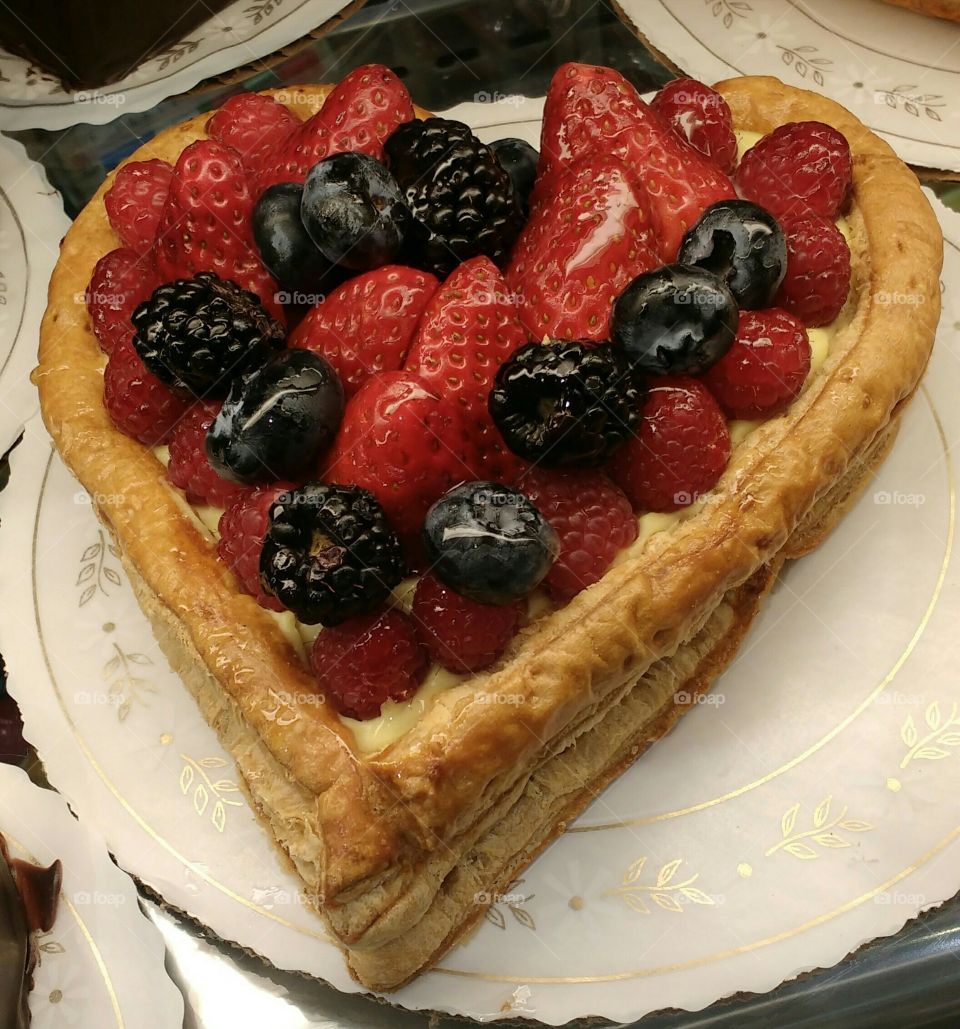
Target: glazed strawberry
x=135, y=202
x=255, y=126
x=121, y=280
x=468, y=330
x=358, y=115
x=206, y=223
x=679, y=451
x=592, y=518
x=580, y=247
x=701, y=116
x=242, y=527
x=189, y=468
x=817, y=282
x=139, y=404
x=592, y=110
x=365, y=326
x=367, y=661
x=404, y=444
x=802, y=167
x=461, y=634
x=765, y=369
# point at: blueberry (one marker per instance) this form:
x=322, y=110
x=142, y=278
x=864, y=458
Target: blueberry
x=276, y=421
x=488, y=542
x=354, y=211
x=675, y=320
x=286, y=248
x=519, y=161
x=744, y=245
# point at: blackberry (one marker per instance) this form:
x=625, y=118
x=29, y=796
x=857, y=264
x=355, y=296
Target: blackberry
x=329, y=553
x=462, y=199
x=565, y=404
x=197, y=335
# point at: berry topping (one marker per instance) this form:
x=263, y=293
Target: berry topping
x=284, y=245
x=468, y=330
x=680, y=450
x=365, y=326
x=462, y=200
x=765, y=369
x=358, y=115
x=592, y=110
x=582, y=245
x=139, y=404
x=675, y=320
x=405, y=444
x=354, y=212
x=489, y=542
x=276, y=421
x=329, y=553
x=255, y=126
x=744, y=245
x=242, y=527
x=461, y=634
x=817, y=282
x=593, y=520
x=565, y=403
x=802, y=167
x=121, y=281
x=367, y=661
x=519, y=160
x=189, y=467
x=135, y=202
x=198, y=334
x=206, y=225
x=701, y=116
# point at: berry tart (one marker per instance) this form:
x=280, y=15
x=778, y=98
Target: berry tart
x=447, y=471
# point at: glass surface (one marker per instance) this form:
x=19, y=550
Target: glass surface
x=449, y=52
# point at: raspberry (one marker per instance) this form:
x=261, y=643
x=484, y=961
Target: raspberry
x=679, y=451
x=135, y=202
x=818, y=270
x=800, y=168
x=765, y=368
x=139, y=403
x=461, y=634
x=121, y=281
x=189, y=467
x=242, y=527
x=593, y=518
x=702, y=117
x=368, y=660
x=255, y=126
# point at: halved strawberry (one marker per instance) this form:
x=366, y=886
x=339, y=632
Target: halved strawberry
x=135, y=202
x=206, y=223
x=591, y=110
x=580, y=248
x=255, y=126
x=358, y=115
x=365, y=326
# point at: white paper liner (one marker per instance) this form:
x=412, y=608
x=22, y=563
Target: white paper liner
x=894, y=69
x=102, y=963
x=795, y=815
x=245, y=31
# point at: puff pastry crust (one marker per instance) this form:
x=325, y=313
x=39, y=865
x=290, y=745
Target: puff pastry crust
x=394, y=847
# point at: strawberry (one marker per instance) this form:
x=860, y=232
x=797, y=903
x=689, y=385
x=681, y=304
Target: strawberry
x=579, y=250
x=206, y=223
x=596, y=110
x=121, y=281
x=468, y=330
x=135, y=202
x=255, y=126
x=402, y=442
x=358, y=115
x=365, y=326
x=702, y=117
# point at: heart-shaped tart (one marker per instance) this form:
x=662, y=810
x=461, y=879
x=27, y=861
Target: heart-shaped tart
x=449, y=475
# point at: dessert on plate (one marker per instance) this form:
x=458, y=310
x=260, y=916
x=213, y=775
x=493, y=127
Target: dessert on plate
x=949, y=9
x=450, y=475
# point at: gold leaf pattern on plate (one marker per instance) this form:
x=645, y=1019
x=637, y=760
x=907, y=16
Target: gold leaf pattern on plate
x=195, y=781
x=943, y=734
x=824, y=831
x=124, y=686
x=514, y=903
x=666, y=893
